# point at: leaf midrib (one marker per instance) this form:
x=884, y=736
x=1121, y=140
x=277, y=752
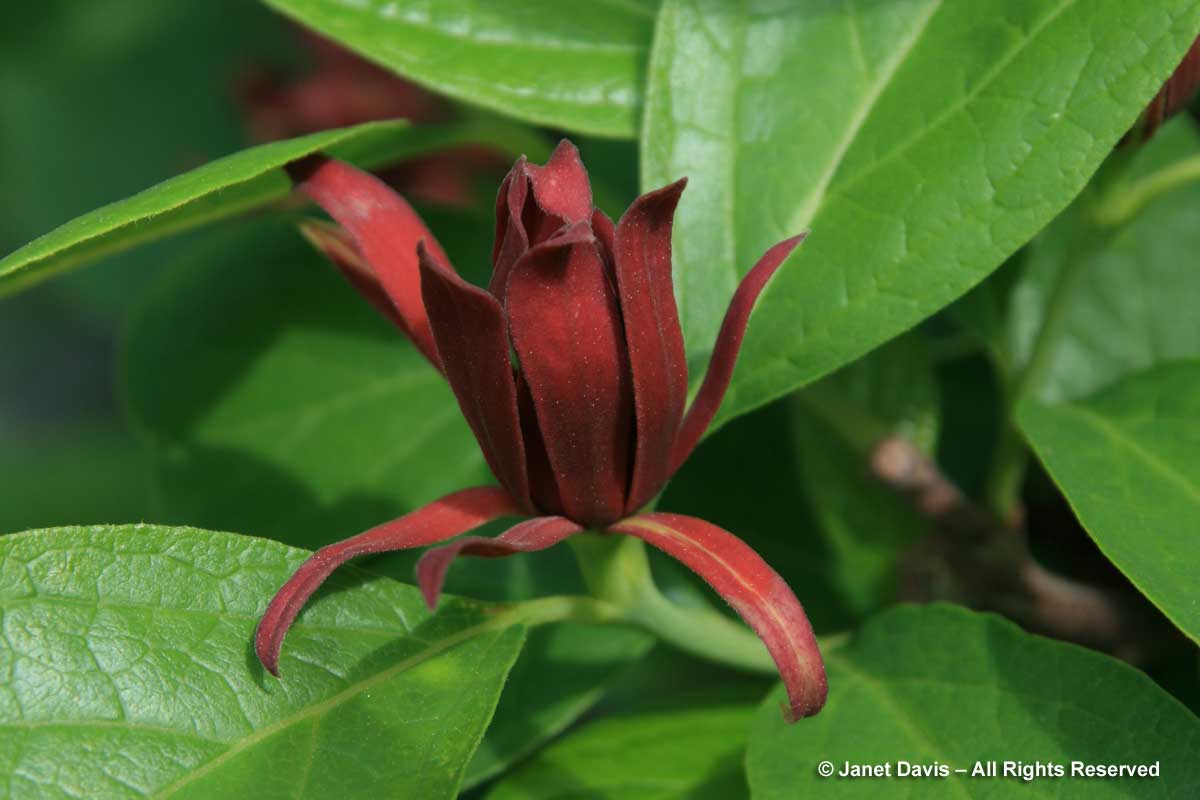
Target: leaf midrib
x=328, y=704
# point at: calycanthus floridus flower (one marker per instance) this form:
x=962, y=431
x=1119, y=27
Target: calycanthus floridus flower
x=570, y=370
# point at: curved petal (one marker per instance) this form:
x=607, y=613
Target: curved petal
x=757, y=592
x=385, y=229
x=440, y=520
x=472, y=339
x=339, y=248
x=511, y=240
x=656, y=355
x=524, y=537
x=567, y=332
x=724, y=355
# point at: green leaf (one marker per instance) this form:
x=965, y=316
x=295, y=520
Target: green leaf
x=921, y=141
x=231, y=185
x=578, y=66
x=806, y=500
x=80, y=474
x=695, y=754
x=562, y=672
x=1135, y=305
x=1128, y=461
x=942, y=685
x=128, y=673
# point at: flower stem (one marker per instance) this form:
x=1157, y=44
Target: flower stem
x=617, y=572
x=1121, y=206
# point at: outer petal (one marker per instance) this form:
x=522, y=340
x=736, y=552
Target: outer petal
x=440, y=520
x=385, y=229
x=724, y=356
x=567, y=331
x=533, y=205
x=472, y=340
x=339, y=248
x=755, y=591
x=562, y=188
x=655, y=340
x=524, y=537
x=511, y=238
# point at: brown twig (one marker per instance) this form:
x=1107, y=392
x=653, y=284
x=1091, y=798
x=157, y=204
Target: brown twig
x=972, y=558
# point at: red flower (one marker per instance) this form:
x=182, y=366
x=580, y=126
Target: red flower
x=588, y=425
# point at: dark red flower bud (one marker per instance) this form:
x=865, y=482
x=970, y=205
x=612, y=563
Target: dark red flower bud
x=589, y=423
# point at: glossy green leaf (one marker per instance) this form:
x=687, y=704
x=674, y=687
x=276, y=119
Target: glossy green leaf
x=1128, y=461
x=276, y=401
x=802, y=495
x=128, y=673
x=226, y=187
x=695, y=754
x=922, y=142
x=939, y=685
x=1134, y=305
x=578, y=66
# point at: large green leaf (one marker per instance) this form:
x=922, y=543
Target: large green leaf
x=578, y=66
x=695, y=754
x=1135, y=303
x=127, y=672
x=922, y=141
x=1128, y=461
x=940, y=685
x=801, y=493
x=229, y=186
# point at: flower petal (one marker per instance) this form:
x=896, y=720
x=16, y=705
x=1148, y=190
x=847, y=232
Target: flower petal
x=472, y=340
x=757, y=592
x=339, y=248
x=524, y=537
x=656, y=355
x=724, y=356
x=566, y=328
x=562, y=188
x=511, y=240
x=385, y=229
x=440, y=520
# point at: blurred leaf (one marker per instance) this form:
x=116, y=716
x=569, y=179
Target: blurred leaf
x=1128, y=461
x=922, y=141
x=223, y=188
x=578, y=66
x=105, y=97
x=1135, y=305
x=129, y=673
x=942, y=685
x=279, y=403
x=694, y=754
x=92, y=474
x=563, y=670
x=792, y=480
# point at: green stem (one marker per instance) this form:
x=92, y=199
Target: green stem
x=563, y=608
x=617, y=572
x=1122, y=204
